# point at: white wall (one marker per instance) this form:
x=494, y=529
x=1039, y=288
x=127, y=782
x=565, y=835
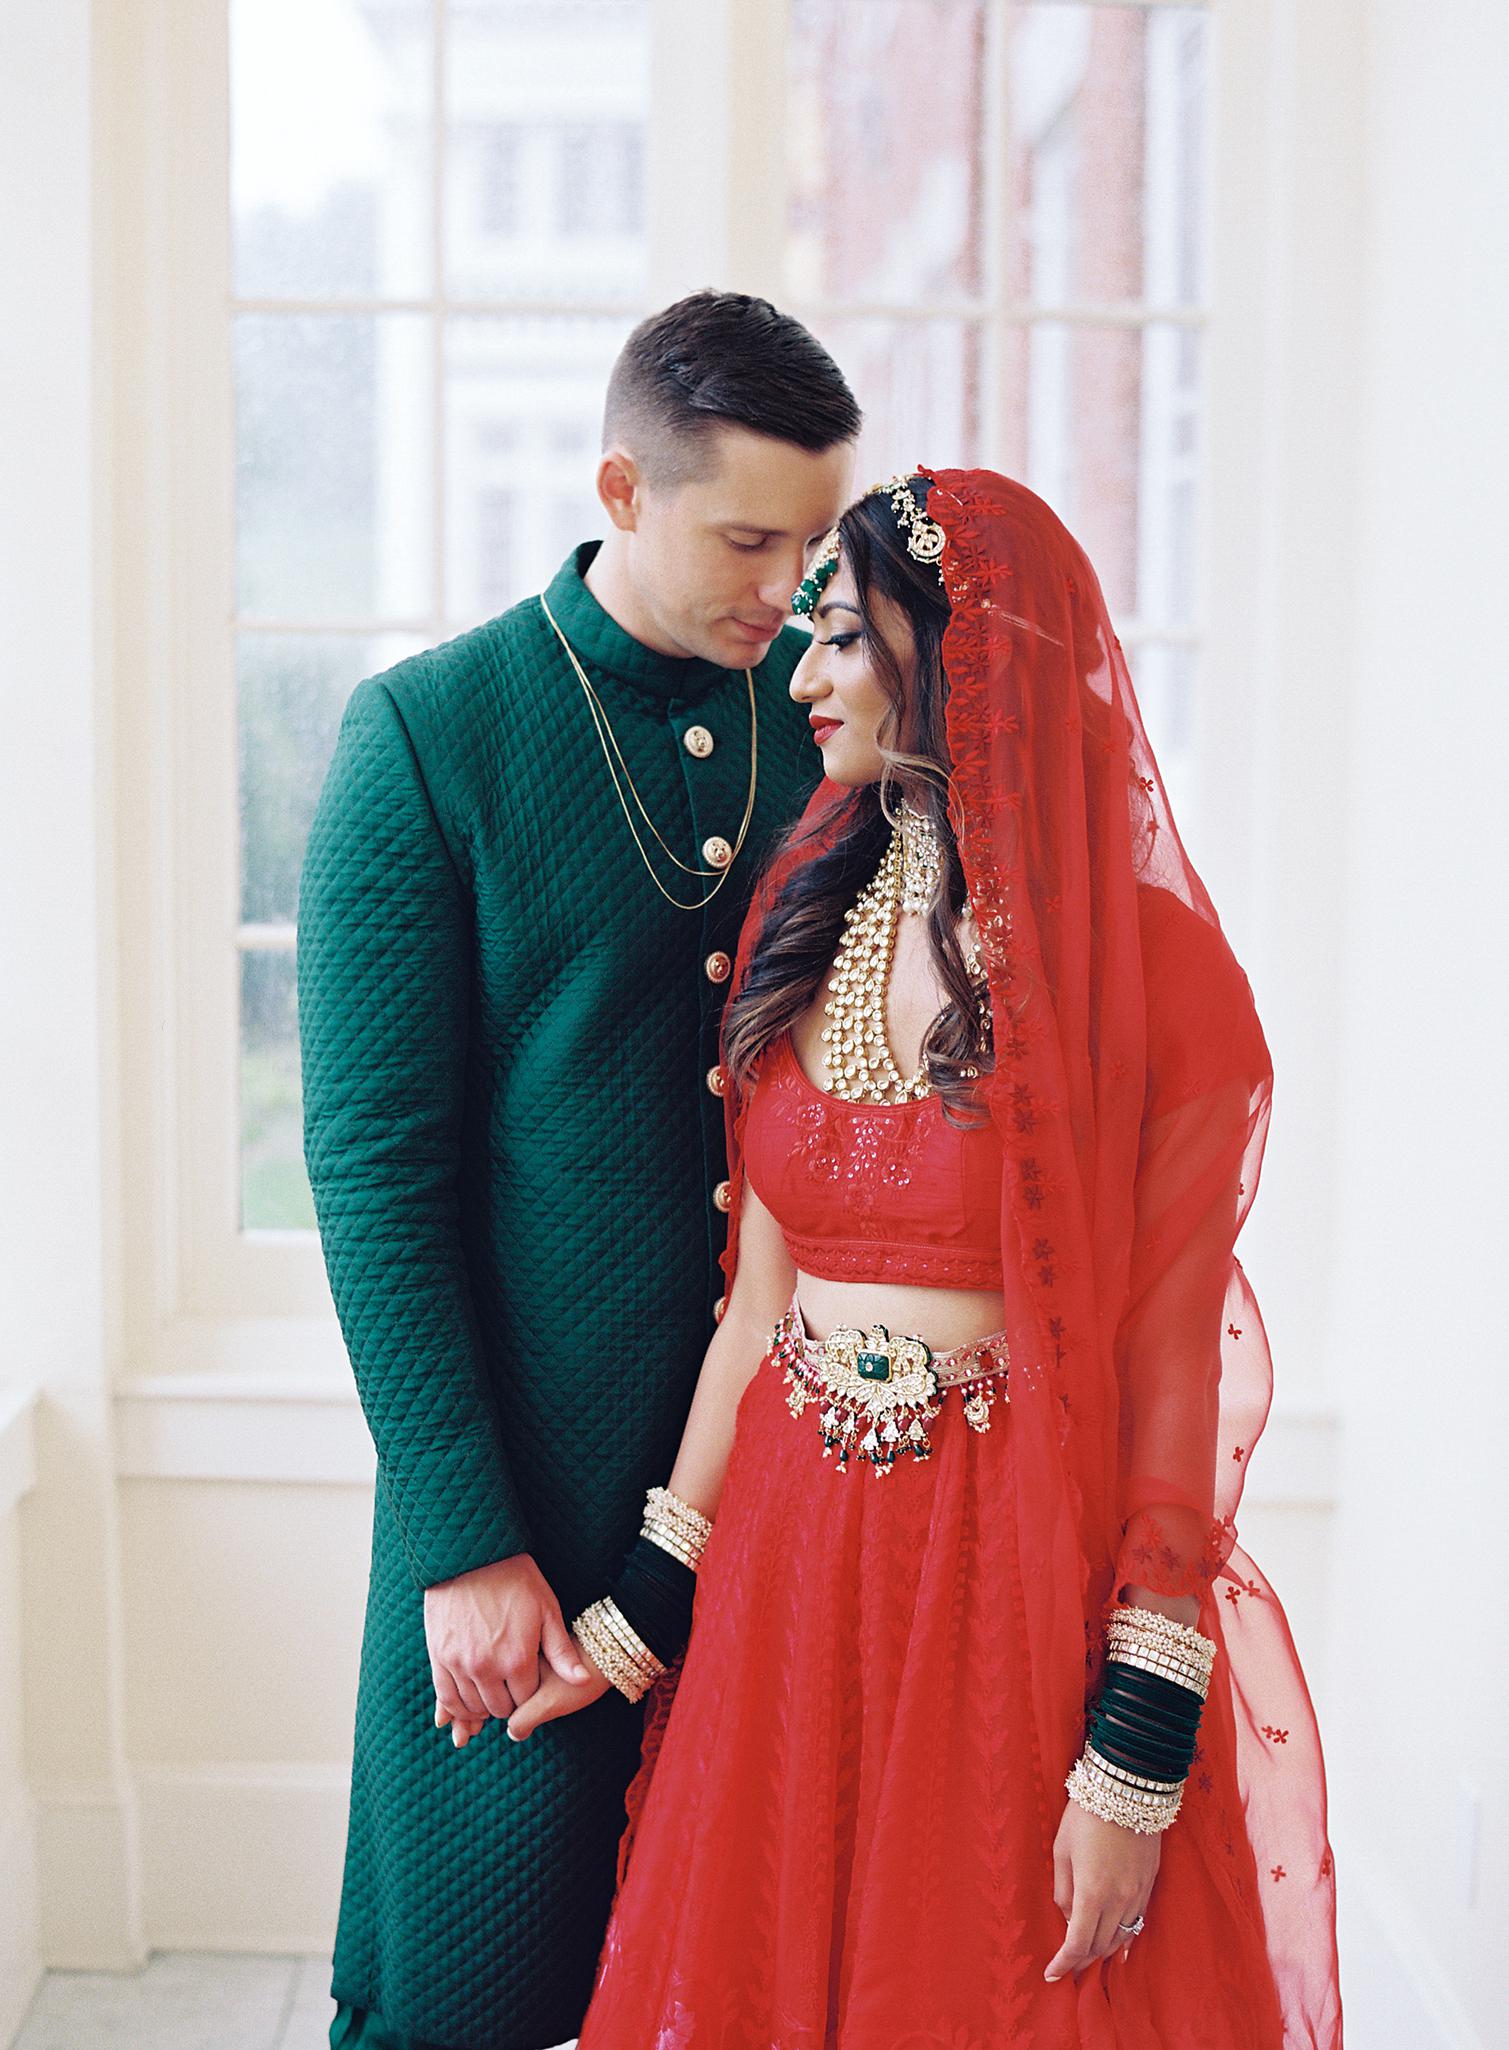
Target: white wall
x=57, y=1037
x=20, y=1950
x=1417, y=1333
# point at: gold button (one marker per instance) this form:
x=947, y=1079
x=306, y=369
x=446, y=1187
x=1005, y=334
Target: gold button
x=717, y=967
x=723, y=1195
x=717, y=851
x=718, y=1308
x=697, y=741
x=717, y=1081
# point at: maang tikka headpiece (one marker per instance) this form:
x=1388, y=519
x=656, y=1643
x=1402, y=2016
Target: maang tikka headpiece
x=924, y=543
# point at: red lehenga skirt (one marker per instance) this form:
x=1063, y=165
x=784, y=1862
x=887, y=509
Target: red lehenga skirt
x=841, y=1833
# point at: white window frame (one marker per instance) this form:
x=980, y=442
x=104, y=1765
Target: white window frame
x=200, y=1293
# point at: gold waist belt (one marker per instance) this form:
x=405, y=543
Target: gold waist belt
x=877, y=1393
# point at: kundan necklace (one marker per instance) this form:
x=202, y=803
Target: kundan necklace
x=856, y=1050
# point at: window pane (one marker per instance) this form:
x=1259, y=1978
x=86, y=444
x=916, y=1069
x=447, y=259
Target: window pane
x=885, y=122
x=1163, y=676
x=546, y=108
x=1102, y=422
x=332, y=122
x=919, y=384
x=274, y=1187
x=291, y=690
x=1105, y=139
x=523, y=403
x=333, y=466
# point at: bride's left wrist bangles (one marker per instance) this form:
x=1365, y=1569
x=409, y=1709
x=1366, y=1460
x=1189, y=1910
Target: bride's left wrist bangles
x=633, y=1633
x=1141, y=1737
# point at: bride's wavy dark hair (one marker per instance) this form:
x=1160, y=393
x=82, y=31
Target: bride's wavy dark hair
x=803, y=926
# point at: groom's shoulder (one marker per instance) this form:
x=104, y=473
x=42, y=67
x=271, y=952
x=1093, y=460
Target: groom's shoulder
x=470, y=679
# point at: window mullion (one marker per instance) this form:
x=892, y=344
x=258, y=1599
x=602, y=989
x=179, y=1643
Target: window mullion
x=436, y=311
x=686, y=146
x=995, y=228
x=715, y=168
x=756, y=122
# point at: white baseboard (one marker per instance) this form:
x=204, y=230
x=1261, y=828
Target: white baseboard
x=244, y=1858
x=20, y=1940
x=86, y=1868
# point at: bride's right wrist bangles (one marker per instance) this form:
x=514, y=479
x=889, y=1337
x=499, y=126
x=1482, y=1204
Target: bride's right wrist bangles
x=637, y=1630
x=1141, y=1737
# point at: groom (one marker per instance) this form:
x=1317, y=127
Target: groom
x=519, y=906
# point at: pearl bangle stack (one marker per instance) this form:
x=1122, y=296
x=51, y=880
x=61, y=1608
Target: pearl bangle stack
x=1146, y=1641
x=1157, y=1644
x=619, y=1653
x=615, y=1647
x=675, y=1526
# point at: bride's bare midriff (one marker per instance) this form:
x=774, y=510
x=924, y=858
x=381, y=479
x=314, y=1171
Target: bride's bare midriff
x=941, y=1317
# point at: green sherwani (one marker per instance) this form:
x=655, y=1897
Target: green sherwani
x=514, y=1153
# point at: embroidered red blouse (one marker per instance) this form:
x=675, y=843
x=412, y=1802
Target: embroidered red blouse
x=873, y=1192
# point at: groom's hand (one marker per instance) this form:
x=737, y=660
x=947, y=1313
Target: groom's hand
x=492, y=1634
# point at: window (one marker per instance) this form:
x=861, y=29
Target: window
x=441, y=218
x=420, y=196
x=994, y=217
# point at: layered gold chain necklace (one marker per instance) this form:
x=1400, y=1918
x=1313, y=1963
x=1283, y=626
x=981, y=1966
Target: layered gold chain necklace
x=856, y=1048
x=608, y=741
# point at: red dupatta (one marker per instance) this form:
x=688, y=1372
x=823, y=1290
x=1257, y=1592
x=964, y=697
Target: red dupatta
x=1131, y=1091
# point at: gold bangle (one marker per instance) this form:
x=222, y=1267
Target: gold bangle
x=1118, y=1643
x=592, y=1634
x=603, y=1642
x=1159, y=1632
x=629, y=1638
x=612, y=1665
x=1098, y=1762
x=1191, y=1649
x=1181, y=1676
x=1147, y=1814
x=670, y=1541
x=675, y=1526
x=662, y=1506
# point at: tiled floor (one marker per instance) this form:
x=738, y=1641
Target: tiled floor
x=186, y=2000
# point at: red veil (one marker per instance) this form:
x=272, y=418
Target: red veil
x=1131, y=1091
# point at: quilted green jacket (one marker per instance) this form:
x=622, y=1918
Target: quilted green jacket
x=515, y=1151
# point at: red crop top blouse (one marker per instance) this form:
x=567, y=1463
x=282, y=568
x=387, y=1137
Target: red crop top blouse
x=873, y=1192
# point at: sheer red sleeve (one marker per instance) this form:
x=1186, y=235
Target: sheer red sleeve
x=1179, y=1372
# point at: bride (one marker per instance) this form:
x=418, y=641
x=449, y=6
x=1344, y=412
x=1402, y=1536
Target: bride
x=969, y=1724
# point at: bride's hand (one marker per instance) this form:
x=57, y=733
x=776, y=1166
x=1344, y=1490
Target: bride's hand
x=1102, y=1877
x=556, y=1697
x=553, y=1697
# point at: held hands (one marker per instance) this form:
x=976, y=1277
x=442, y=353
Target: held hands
x=496, y=1639
x=556, y=1697
x=1102, y=1875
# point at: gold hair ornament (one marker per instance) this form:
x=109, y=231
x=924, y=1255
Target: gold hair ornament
x=924, y=543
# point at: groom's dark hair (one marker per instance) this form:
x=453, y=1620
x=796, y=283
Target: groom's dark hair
x=722, y=359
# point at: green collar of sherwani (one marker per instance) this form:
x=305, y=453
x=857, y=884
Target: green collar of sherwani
x=602, y=645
